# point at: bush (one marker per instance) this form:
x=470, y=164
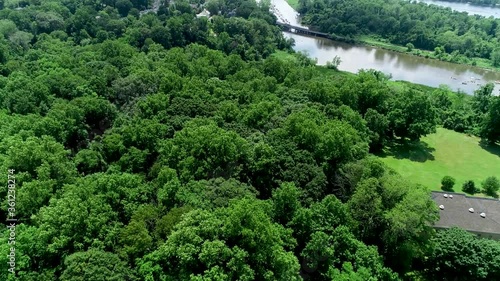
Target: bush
x=491, y=186
x=334, y=64
x=469, y=187
x=447, y=183
x=409, y=47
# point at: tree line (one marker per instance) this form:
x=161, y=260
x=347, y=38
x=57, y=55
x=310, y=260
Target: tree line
x=170, y=147
x=478, y=114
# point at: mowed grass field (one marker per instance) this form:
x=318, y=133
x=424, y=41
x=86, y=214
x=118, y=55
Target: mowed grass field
x=445, y=153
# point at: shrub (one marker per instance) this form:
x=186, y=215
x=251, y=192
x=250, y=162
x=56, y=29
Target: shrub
x=409, y=47
x=469, y=187
x=491, y=186
x=334, y=64
x=447, y=183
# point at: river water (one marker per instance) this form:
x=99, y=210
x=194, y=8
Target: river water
x=486, y=11
x=401, y=66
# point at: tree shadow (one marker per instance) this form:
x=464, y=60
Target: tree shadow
x=492, y=148
x=417, y=151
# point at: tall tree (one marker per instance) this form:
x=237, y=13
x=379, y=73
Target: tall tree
x=239, y=242
x=460, y=255
x=411, y=115
x=96, y=265
x=490, y=130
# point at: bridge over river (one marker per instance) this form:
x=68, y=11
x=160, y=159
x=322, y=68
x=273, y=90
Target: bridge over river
x=297, y=29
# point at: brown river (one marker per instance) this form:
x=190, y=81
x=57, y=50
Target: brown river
x=401, y=66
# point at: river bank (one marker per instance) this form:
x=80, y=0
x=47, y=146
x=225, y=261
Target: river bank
x=378, y=42
x=338, y=74
x=470, y=8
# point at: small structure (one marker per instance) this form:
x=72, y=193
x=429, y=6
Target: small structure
x=468, y=213
x=204, y=13
x=232, y=13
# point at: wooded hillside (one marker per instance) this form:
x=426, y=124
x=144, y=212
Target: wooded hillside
x=171, y=147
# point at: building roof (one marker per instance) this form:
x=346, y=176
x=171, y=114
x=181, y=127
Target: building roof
x=203, y=13
x=456, y=212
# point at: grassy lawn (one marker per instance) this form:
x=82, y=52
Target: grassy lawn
x=375, y=42
x=403, y=85
x=445, y=153
x=322, y=70
x=282, y=55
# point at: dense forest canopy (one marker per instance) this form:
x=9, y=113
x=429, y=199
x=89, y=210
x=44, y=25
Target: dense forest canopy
x=428, y=27
x=170, y=147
